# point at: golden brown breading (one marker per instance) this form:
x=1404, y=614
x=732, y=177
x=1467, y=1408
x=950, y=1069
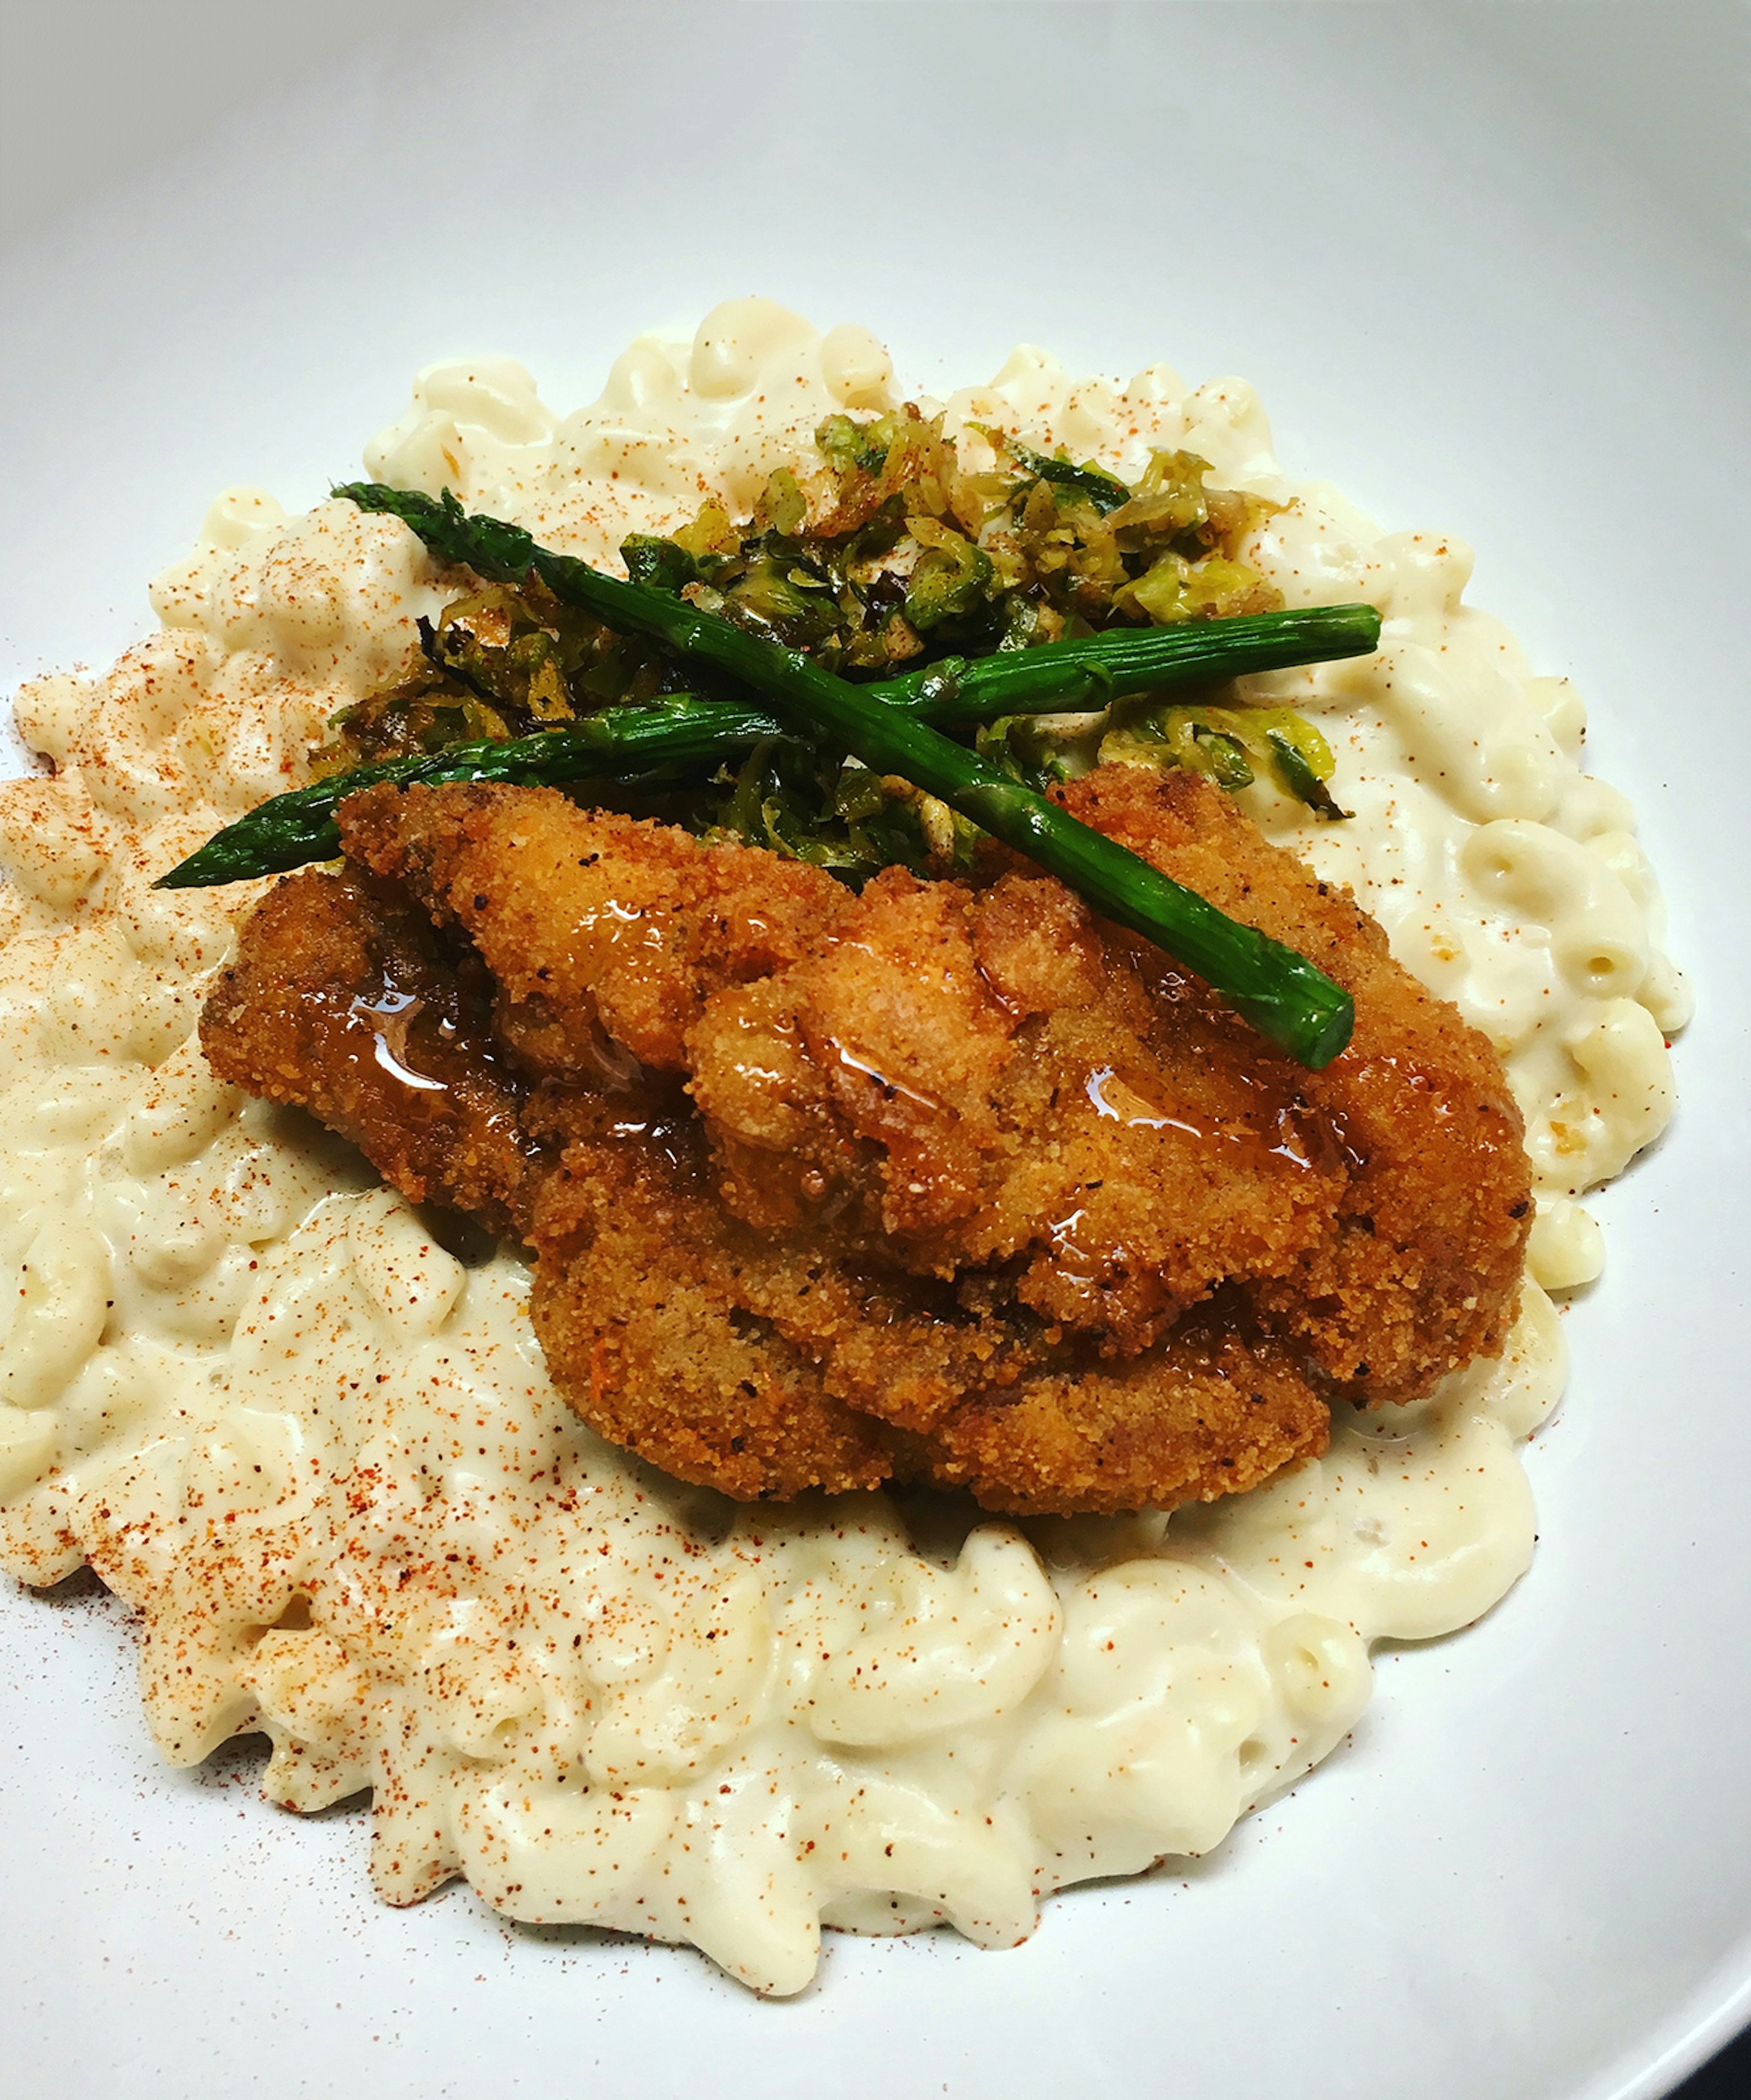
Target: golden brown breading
x=762, y=1363
x=948, y=1180
x=595, y=927
x=1035, y=1088
x=1213, y=1409
x=1028, y=1095
x=343, y=1001
x=645, y=1303
x=1421, y=1271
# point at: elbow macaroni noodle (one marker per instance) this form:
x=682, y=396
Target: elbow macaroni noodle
x=320, y=1455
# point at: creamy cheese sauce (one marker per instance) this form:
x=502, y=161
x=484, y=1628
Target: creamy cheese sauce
x=319, y=1453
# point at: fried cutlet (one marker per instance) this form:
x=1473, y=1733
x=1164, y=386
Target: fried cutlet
x=596, y=929
x=1420, y=1270
x=1028, y=1096
x=763, y=1362
x=654, y=1310
x=947, y=1180
x=1038, y=1089
x=345, y=1000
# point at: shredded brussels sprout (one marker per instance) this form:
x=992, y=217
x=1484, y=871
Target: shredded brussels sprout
x=1233, y=745
x=883, y=553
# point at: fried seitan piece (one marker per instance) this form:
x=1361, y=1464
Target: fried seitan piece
x=596, y=929
x=1419, y=1271
x=654, y=1311
x=946, y=1180
x=977, y=1078
x=345, y=1000
x=763, y=1362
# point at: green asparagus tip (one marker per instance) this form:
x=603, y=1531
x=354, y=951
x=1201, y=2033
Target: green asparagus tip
x=1281, y=993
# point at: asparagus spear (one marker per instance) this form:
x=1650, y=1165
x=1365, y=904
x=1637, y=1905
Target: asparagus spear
x=620, y=743
x=1093, y=669
x=1295, y=1005
x=657, y=743
x=646, y=742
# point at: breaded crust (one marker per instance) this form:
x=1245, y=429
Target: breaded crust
x=1421, y=1270
x=644, y=1301
x=1213, y=1409
x=342, y=1000
x=947, y=1180
x=594, y=927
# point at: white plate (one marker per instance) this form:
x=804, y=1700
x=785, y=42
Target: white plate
x=1529, y=1878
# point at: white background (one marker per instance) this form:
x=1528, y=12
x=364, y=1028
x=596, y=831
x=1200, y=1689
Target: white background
x=1488, y=266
